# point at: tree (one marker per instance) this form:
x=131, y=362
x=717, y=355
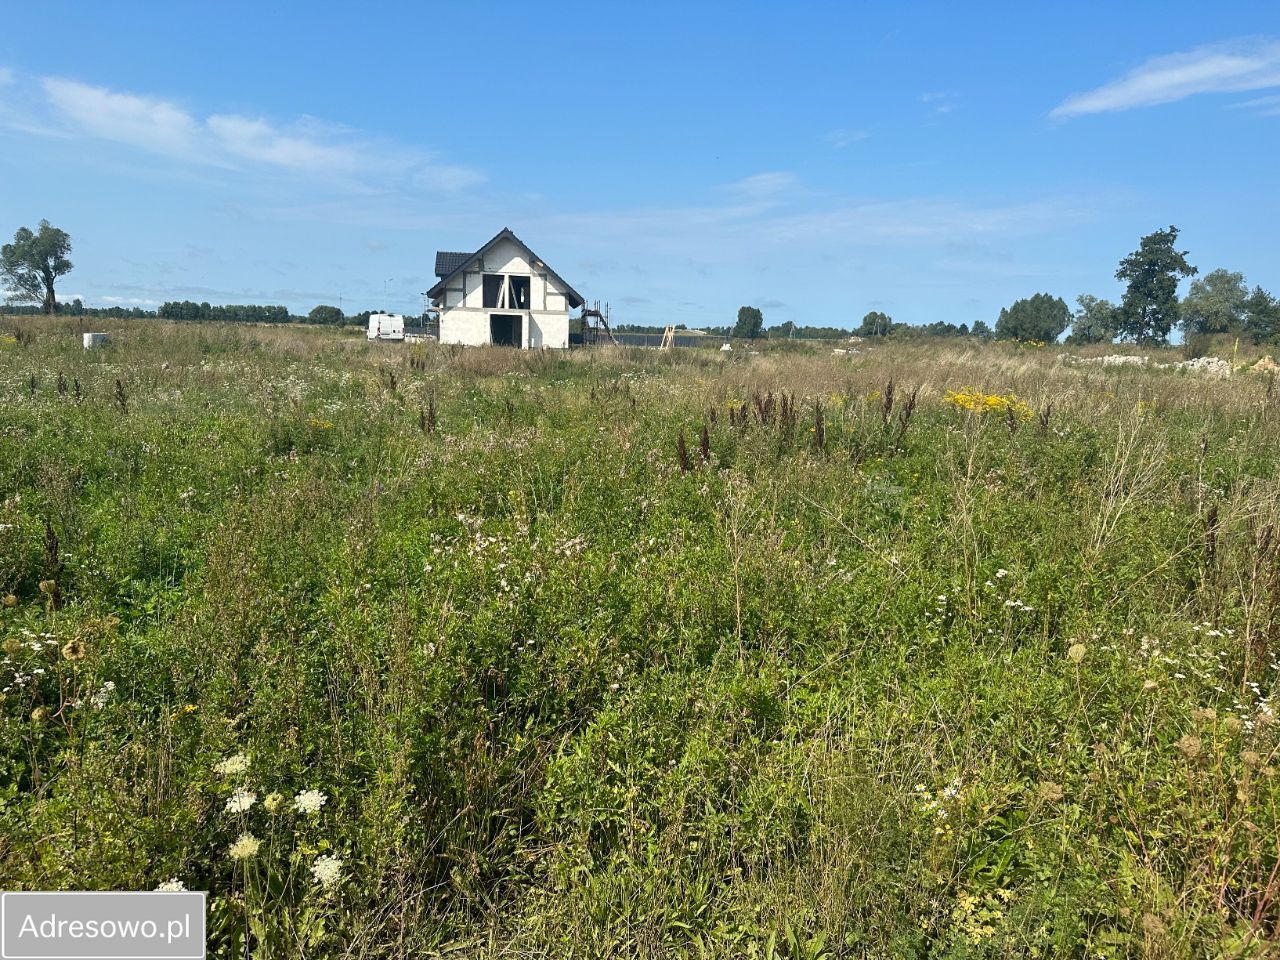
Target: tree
x=940, y=328
x=233, y=313
x=1042, y=317
x=1215, y=304
x=1095, y=321
x=1262, y=316
x=875, y=324
x=1149, y=308
x=750, y=323
x=326, y=314
x=30, y=265
x=982, y=330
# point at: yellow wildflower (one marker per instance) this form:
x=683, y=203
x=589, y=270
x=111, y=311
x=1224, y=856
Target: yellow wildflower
x=976, y=402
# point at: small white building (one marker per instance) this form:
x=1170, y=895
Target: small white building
x=502, y=294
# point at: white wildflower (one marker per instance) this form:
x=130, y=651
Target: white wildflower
x=327, y=870
x=236, y=763
x=245, y=847
x=172, y=885
x=102, y=695
x=309, y=801
x=240, y=801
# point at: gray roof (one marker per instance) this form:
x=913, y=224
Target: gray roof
x=447, y=263
x=460, y=260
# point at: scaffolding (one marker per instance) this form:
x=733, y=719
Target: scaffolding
x=595, y=324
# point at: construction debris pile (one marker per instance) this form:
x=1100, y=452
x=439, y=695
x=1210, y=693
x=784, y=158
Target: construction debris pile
x=1212, y=368
x=1215, y=368
x=1116, y=360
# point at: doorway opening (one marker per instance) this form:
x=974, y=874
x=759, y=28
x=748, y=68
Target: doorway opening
x=505, y=330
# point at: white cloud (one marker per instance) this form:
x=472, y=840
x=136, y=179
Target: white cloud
x=129, y=301
x=843, y=137
x=1258, y=103
x=925, y=220
x=939, y=101
x=762, y=186
x=1231, y=67
x=260, y=141
x=1268, y=106
x=437, y=177
x=141, y=121
x=732, y=232
x=306, y=146
x=6, y=76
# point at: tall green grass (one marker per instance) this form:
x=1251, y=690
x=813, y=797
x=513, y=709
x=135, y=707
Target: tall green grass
x=401, y=652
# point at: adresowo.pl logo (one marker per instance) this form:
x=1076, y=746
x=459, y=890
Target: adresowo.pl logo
x=102, y=926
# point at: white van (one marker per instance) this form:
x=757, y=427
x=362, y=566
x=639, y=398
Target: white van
x=386, y=326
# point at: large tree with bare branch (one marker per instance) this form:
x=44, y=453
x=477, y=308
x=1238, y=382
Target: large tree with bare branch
x=30, y=265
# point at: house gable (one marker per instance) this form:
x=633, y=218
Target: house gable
x=505, y=253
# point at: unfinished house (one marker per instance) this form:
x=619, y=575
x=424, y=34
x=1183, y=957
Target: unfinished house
x=503, y=294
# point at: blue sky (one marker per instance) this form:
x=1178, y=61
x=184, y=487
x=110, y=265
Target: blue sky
x=933, y=160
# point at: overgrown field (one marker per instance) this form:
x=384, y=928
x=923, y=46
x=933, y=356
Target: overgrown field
x=399, y=651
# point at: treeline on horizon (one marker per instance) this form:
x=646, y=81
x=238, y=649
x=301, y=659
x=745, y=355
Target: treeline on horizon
x=782, y=331
x=874, y=324
x=190, y=311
